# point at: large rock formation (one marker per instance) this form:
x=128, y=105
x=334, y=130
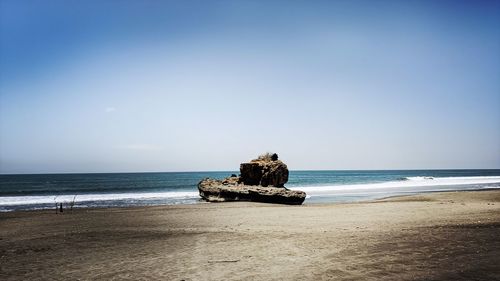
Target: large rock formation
x=261, y=180
x=264, y=172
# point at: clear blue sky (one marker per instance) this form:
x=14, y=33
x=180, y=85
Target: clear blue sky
x=116, y=86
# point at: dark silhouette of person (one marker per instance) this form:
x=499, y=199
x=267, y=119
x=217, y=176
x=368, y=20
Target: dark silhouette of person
x=60, y=208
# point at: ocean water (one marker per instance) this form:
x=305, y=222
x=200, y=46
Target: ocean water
x=43, y=191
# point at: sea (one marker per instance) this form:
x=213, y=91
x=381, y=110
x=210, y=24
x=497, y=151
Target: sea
x=101, y=190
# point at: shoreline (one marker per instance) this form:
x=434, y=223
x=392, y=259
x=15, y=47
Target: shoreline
x=432, y=192
x=201, y=201
x=317, y=199
x=439, y=235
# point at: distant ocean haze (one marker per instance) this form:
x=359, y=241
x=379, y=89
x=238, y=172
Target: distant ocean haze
x=43, y=191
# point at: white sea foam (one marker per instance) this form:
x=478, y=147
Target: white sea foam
x=49, y=199
x=409, y=182
x=406, y=185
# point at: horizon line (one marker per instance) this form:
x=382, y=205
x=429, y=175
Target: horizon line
x=229, y=171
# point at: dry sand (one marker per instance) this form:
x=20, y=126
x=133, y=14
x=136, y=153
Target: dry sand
x=439, y=236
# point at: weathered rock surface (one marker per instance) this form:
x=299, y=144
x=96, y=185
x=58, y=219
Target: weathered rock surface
x=264, y=173
x=261, y=180
x=228, y=190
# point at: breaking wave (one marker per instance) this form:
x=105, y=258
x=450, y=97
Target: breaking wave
x=51, y=199
x=407, y=183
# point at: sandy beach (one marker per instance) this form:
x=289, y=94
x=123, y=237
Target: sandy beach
x=434, y=236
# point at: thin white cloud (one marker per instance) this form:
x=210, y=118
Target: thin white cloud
x=109, y=109
x=142, y=147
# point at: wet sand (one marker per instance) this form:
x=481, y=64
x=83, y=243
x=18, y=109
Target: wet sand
x=438, y=236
